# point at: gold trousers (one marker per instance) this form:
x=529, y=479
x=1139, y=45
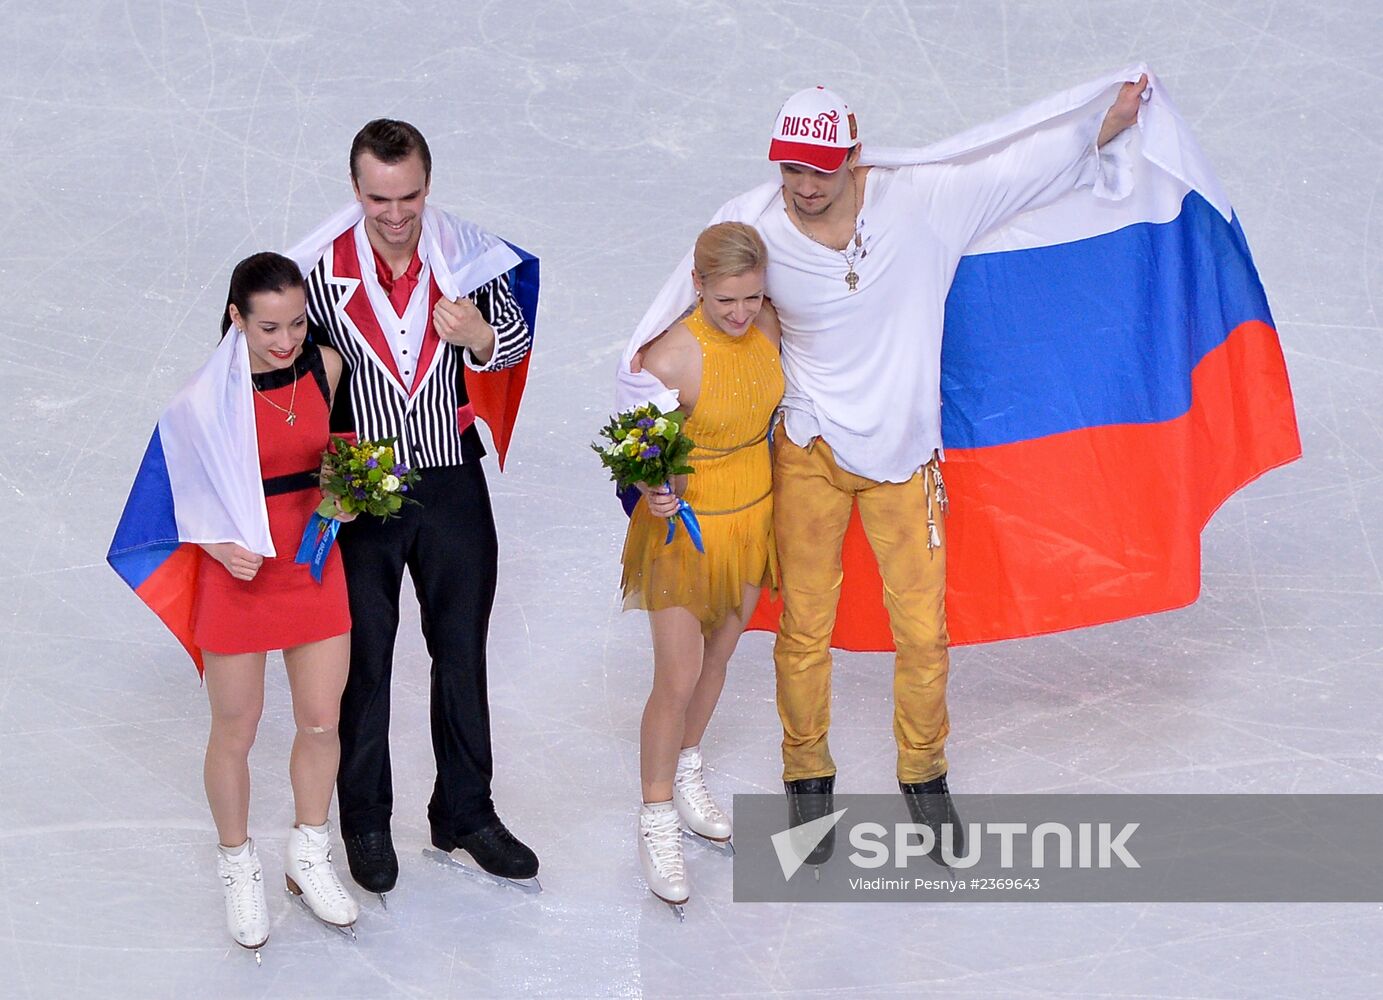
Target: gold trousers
x=905, y=524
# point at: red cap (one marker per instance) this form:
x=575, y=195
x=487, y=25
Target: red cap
x=816, y=129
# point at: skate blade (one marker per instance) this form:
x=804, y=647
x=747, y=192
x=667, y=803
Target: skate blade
x=461, y=860
x=725, y=847
x=382, y=901
x=676, y=907
x=345, y=930
x=259, y=960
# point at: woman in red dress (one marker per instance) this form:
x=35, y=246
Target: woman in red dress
x=247, y=605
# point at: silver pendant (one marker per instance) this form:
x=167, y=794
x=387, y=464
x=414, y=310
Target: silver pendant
x=293, y=417
x=852, y=279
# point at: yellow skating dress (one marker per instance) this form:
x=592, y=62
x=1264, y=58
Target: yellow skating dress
x=731, y=490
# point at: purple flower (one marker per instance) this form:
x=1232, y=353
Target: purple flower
x=400, y=469
x=652, y=451
x=359, y=493
x=403, y=487
x=372, y=464
x=645, y=423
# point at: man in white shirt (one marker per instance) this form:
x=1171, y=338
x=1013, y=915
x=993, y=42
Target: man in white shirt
x=860, y=263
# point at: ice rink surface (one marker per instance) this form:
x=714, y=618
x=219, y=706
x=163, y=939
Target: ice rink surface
x=147, y=146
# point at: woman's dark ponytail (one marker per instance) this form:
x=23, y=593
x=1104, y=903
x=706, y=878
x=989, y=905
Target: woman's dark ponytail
x=261, y=272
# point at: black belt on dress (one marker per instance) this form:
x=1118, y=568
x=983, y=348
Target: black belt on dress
x=292, y=483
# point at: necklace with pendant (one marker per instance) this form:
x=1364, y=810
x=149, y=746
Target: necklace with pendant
x=291, y=415
x=854, y=246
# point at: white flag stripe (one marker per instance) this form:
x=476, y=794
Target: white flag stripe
x=212, y=453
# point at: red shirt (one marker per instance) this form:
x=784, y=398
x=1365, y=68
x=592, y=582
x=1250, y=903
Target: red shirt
x=399, y=289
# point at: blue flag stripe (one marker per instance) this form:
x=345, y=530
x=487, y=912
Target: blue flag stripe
x=148, y=530
x=1059, y=338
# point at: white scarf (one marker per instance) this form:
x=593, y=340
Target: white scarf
x=462, y=255
x=212, y=453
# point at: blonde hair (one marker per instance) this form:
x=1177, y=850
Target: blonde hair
x=728, y=249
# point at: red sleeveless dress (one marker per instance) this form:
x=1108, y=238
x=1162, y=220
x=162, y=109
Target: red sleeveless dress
x=282, y=606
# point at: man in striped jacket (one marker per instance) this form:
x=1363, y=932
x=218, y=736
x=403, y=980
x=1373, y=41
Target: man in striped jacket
x=374, y=295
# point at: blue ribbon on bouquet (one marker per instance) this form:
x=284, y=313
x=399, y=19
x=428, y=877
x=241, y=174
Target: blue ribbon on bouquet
x=318, y=537
x=687, y=517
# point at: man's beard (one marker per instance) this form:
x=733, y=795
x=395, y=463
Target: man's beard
x=825, y=206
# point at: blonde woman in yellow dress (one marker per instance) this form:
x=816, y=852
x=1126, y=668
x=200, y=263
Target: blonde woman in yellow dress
x=722, y=359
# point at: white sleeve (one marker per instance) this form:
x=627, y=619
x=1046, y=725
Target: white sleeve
x=963, y=199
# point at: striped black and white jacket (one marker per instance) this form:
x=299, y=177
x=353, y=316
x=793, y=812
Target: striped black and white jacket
x=434, y=422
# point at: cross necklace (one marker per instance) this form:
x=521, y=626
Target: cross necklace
x=291, y=411
x=854, y=246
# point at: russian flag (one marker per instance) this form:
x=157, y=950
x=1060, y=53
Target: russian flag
x=496, y=395
x=199, y=483
x=147, y=554
x=1110, y=375
x=1093, y=424
x=1159, y=397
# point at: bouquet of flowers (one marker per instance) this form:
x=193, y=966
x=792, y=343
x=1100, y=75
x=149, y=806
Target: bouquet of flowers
x=358, y=477
x=364, y=477
x=645, y=445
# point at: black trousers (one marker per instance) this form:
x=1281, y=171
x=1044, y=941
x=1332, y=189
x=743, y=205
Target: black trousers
x=448, y=544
